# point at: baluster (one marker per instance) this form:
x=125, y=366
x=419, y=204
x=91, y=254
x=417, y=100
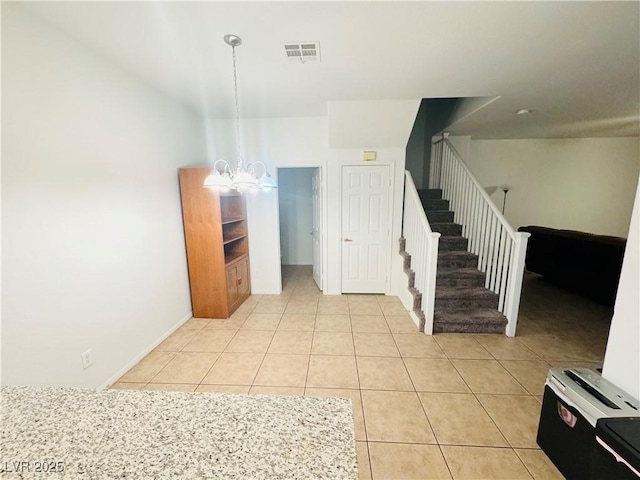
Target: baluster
x=489, y=248
x=500, y=263
x=506, y=273
x=476, y=223
x=486, y=225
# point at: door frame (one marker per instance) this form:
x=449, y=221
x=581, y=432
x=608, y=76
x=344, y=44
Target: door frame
x=391, y=195
x=323, y=204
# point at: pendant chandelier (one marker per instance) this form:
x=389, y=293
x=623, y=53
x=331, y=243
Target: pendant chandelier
x=242, y=178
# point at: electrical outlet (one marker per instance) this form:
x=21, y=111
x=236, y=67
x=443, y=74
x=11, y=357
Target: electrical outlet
x=87, y=361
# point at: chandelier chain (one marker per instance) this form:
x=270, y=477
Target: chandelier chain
x=235, y=92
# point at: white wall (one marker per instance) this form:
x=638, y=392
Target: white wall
x=296, y=215
x=304, y=142
x=93, y=250
x=622, y=357
x=577, y=184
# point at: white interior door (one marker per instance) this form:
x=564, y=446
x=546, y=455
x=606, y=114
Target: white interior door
x=365, y=228
x=316, y=228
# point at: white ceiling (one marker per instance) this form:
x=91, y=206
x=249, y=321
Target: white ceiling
x=576, y=64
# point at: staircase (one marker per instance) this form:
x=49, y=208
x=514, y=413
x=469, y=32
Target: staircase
x=462, y=303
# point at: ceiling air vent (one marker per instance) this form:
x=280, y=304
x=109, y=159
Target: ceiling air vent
x=303, y=51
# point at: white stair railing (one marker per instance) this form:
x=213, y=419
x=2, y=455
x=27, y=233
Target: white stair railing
x=422, y=244
x=500, y=249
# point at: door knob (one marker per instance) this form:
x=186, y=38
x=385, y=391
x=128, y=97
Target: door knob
x=347, y=239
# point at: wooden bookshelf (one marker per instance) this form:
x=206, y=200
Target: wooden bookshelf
x=217, y=243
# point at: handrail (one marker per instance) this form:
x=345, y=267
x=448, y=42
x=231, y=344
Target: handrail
x=421, y=243
x=481, y=189
x=500, y=249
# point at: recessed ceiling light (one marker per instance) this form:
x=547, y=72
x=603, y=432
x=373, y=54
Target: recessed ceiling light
x=523, y=111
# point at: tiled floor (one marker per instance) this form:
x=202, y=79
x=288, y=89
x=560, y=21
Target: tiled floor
x=447, y=406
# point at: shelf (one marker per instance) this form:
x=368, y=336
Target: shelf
x=231, y=240
x=226, y=221
x=234, y=257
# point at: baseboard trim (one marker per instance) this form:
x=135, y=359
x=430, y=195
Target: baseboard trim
x=144, y=353
x=415, y=318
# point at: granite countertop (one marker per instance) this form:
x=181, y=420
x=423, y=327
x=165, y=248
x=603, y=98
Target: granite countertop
x=68, y=433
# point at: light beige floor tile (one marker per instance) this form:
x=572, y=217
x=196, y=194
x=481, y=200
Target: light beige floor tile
x=552, y=347
x=333, y=308
x=375, y=345
x=435, y=375
x=459, y=419
x=148, y=367
x=517, y=417
x=487, y=376
x=127, y=386
x=196, y=323
x=332, y=343
x=456, y=345
x=530, y=373
x=250, y=341
x=482, y=463
x=418, y=345
x=361, y=298
x=333, y=323
x=395, y=417
x=171, y=387
x=505, y=348
x=262, y=321
x=209, y=340
x=362, y=455
x=401, y=324
x=284, y=391
x=177, y=340
x=279, y=370
x=332, y=371
x=388, y=299
x=539, y=465
x=297, y=321
x=233, y=323
x=242, y=389
x=271, y=306
x=365, y=308
x=234, y=369
x=383, y=373
x=186, y=367
x=393, y=308
x=407, y=461
x=354, y=395
x=291, y=341
x=300, y=305
x=369, y=324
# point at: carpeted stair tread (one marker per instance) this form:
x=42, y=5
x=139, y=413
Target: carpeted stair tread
x=447, y=229
x=456, y=259
x=469, y=321
x=460, y=277
x=452, y=243
x=430, y=193
x=440, y=216
x=471, y=315
x=448, y=298
x=430, y=204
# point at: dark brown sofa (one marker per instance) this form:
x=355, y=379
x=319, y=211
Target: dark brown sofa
x=584, y=263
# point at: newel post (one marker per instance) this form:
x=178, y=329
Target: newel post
x=430, y=293
x=515, y=281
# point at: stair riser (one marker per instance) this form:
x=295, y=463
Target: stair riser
x=435, y=205
x=456, y=244
x=462, y=262
x=460, y=281
x=444, y=216
x=431, y=193
x=466, y=328
x=443, y=304
x=447, y=229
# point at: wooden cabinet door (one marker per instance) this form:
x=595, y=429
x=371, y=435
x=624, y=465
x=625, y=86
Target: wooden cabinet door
x=232, y=286
x=244, y=280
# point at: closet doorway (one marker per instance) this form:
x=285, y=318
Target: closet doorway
x=300, y=209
